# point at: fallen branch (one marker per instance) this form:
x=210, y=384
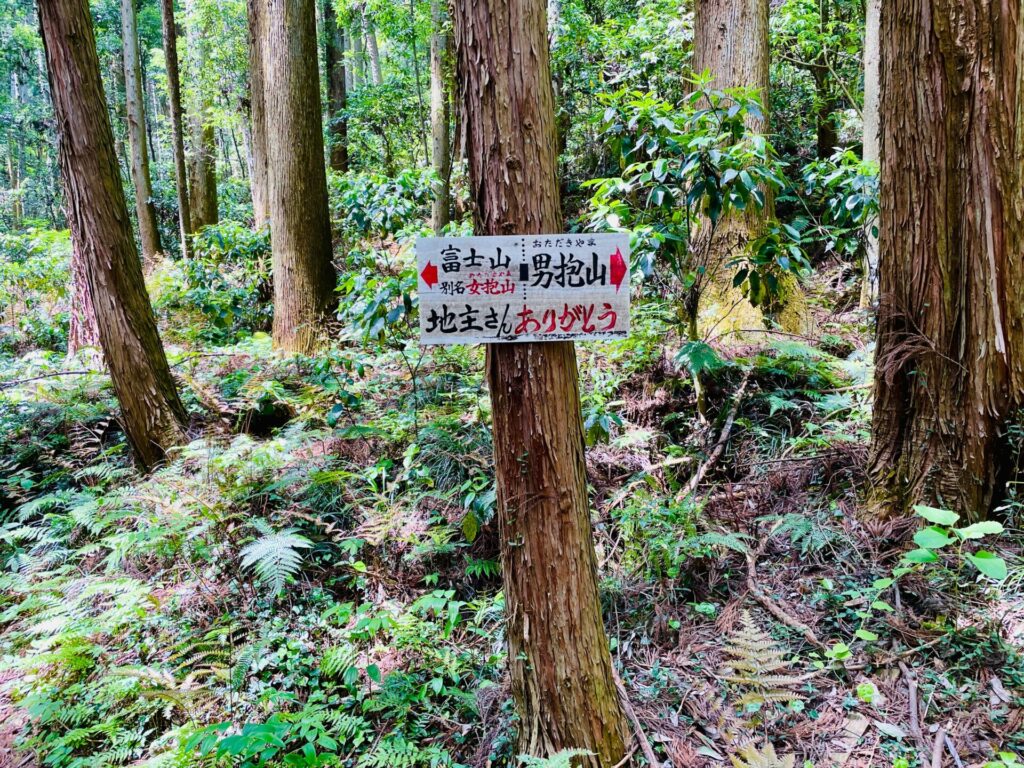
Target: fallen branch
x=723, y=438
x=16, y=382
x=915, y=713
x=638, y=730
x=937, y=748
x=773, y=607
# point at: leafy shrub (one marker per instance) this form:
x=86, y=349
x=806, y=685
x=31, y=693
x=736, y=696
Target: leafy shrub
x=684, y=168
x=227, y=281
x=34, y=280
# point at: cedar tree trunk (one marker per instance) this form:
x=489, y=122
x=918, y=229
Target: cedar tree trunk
x=440, y=115
x=869, y=284
x=170, y=33
x=300, y=233
x=334, y=60
x=258, y=176
x=949, y=365
x=561, y=671
x=151, y=413
x=202, y=170
x=149, y=234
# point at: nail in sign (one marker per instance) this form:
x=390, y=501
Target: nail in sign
x=533, y=288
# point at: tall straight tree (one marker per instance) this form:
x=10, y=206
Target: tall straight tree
x=300, y=231
x=337, y=96
x=149, y=233
x=872, y=21
x=440, y=114
x=561, y=671
x=202, y=169
x=259, y=181
x=730, y=43
x=373, y=49
x=949, y=365
x=170, y=35
x=151, y=412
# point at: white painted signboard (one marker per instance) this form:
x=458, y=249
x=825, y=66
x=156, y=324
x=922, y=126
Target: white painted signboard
x=523, y=288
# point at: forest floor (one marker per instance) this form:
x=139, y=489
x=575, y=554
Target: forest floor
x=320, y=565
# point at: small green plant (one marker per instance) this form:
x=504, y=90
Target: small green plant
x=943, y=534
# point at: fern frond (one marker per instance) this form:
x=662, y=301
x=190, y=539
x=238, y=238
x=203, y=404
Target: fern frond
x=752, y=757
x=275, y=557
x=758, y=665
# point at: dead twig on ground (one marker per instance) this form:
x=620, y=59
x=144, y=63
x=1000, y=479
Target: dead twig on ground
x=723, y=438
x=772, y=606
x=638, y=730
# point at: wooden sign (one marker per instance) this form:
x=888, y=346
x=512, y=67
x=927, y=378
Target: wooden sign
x=533, y=288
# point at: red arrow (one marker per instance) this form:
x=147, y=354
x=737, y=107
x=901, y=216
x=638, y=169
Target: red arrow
x=618, y=265
x=429, y=275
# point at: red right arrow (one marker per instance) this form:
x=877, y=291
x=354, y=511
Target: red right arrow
x=429, y=275
x=618, y=265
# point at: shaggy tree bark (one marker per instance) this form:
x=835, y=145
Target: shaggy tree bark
x=869, y=285
x=170, y=34
x=300, y=233
x=440, y=115
x=151, y=413
x=202, y=169
x=334, y=60
x=561, y=671
x=149, y=233
x=950, y=354
x=82, y=329
x=258, y=172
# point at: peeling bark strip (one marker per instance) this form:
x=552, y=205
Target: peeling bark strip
x=559, y=663
x=151, y=413
x=950, y=354
x=300, y=232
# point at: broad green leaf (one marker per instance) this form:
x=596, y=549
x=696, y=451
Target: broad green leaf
x=865, y=634
x=978, y=530
x=920, y=556
x=937, y=516
x=932, y=538
x=990, y=565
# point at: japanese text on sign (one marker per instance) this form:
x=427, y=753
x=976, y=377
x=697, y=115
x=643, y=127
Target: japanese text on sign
x=531, y=288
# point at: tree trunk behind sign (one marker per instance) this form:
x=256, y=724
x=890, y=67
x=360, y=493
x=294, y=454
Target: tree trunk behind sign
x=151, y=413
x=560, y=667
x=300, y=233
x=149, y=234
x=440, y=115
x=949, y=365
x=170, y=33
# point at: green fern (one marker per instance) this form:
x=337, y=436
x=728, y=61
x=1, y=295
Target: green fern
x=397, y=752
x=757, y=664
x=275, y=557
x=339, y=662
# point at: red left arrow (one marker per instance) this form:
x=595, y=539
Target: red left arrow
x=429, y=275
